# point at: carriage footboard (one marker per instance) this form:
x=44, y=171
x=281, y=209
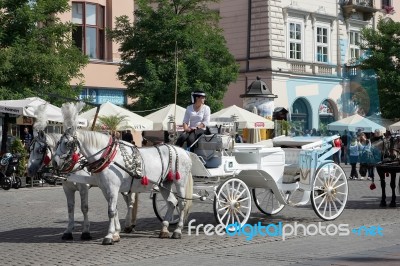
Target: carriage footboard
x=260, y=179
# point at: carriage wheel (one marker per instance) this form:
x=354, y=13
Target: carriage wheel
x=232, y=203
x=6, y=183
x=329, y=191
x=160, y=208
x=266, y=201
x=18, y=183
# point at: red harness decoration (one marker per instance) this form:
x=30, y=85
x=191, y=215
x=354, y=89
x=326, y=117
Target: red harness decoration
x=107, y=156
x=46, y=160
x=74, y=160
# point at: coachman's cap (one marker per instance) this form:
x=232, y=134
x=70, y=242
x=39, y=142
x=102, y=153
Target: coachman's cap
x=197, y=94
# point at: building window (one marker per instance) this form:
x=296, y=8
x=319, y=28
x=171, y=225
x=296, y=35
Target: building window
x=355, y=51
x=89, y=31
x=386, y=3
x=295, y=40
x=322, y=44
x=100, y=96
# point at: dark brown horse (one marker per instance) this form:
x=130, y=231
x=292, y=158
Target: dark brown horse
x=389, y=164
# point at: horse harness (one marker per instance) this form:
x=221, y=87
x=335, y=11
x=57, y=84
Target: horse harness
x=133, y=162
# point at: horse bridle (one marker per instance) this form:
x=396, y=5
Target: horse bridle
x=43, y=148
x=70, y=157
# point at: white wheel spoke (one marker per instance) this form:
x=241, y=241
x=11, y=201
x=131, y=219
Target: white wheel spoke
x=334, y=205
x=223, y=194
x=337, y=179
x=223, y=216
x=340, y=185
x=266, y=195
x=338, y=200
x=237, y=218
x=320, y=180
x=227, y=220
x=321, y=203
x=243, y=199
x=323, y=194
x=325, y=206
x=162, y=207
x=228, y=191
x=237, y=191
x=241, y=213
x=223, y=208
x=240, y=194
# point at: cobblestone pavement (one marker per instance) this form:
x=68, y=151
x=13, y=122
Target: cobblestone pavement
x=32, y=221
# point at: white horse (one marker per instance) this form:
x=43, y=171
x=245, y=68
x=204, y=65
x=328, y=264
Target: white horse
x=120, y=166
x=40, y=154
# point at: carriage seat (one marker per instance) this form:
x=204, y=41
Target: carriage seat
x=210, y=148
x=292, y=168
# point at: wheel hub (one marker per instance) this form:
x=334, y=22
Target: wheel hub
x=234, y=205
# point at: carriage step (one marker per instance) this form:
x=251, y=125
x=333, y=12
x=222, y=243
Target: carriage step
x=304, y=200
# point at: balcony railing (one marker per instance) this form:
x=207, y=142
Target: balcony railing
x=366, y=7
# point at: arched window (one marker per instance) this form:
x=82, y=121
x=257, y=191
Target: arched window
x=326, y=112
x=300, y=116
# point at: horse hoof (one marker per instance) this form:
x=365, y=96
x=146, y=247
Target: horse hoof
x=392, y=204
x=107, y=241
x=129, y=229
x=164, y=235
x=116, y=238
x=86, y=236
x=67, y=236
x=176, y=235
x=382, y=204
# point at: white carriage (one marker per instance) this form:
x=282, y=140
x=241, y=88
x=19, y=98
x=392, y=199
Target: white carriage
x=232, y=174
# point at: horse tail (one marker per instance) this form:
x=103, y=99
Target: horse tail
x=188, y=196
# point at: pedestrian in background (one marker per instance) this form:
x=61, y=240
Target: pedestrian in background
x=27, y=138
x=354, y=153
x=345, y=146
x=337, y=143
x=365, y=155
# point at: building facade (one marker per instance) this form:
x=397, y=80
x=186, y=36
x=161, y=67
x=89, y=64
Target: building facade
x=91, y=18
x=303, y=50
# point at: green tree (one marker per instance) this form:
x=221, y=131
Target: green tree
x=37, y=55
x=163, y=31
x=382, y=47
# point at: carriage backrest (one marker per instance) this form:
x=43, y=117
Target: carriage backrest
x=210, y=146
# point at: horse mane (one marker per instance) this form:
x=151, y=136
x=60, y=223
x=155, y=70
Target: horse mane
x=94, y=139
x=52, y=139
x=41, y=118
x=70, y=113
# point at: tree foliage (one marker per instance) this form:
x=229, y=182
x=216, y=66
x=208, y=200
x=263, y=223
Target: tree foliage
x=37, y=55
x=382, y=46
x=149, y=53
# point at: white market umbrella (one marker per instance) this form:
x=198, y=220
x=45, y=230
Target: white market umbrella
x=395, y=127
x=244, y=118
x=132, y=120
x=164, y=116
x=28, y=106
x=354, y=123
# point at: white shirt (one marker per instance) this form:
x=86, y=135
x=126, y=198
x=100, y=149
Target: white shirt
x=193, y=119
